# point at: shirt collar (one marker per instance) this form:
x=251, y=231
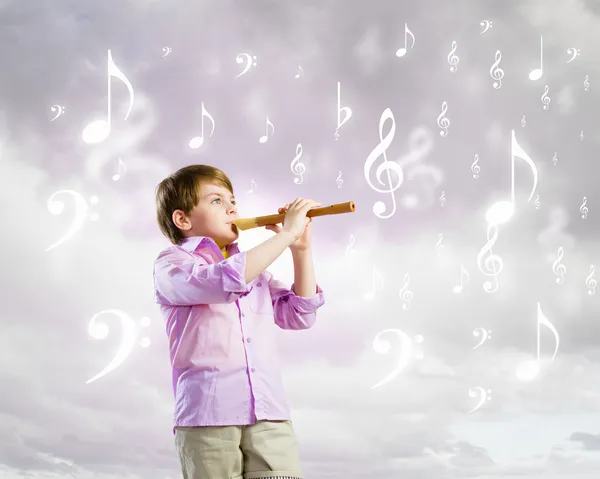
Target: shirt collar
x=192, y=243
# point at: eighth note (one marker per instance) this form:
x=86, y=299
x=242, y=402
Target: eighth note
x=99, y=130
x=265, y=138
x=121, y=172
x=458, y=288
x=253, y=183
x=198, y=141
x=402, y=51
x=530, y=369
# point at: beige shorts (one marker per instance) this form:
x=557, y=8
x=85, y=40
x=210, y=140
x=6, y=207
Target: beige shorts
x=264, y=449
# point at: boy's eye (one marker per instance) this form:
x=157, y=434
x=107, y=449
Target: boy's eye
x=219, y=199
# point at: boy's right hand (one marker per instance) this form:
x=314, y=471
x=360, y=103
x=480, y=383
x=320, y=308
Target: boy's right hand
x=295, y=217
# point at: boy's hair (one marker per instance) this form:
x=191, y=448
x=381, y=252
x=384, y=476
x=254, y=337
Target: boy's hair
x=181, y=191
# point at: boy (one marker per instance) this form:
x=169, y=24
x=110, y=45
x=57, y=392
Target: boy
x=221, y=307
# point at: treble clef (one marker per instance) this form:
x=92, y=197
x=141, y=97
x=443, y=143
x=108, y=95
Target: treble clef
x=379, y=207
x=492, y=266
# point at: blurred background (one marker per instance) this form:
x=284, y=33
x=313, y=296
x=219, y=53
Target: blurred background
x=459, y=337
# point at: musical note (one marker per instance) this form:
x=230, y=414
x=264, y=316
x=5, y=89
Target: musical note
x=591, y=282
x=463, y=274
x=297, y=166
x=406, y=295
x=402, y=51
x=57, y=108
x=583, y=209
x=420, y=143
x=523, y=121
x=339, y=180
x=536, y=74
x=453, y=59
x=99, y=130
x=81, y=213
x=379, y=207
x=300, y=72
x=586, y=83
x=545, y=98
x=250, y=62
x=265, y=138
x=475, y=168
x=253, y=186
x=486, y=26
x=99, y=330
x=442, y=121
x=407, y=351
x=484, y=395
x=574, y=52
x=496, y=72
x=581, y=135
x=198, y=141
x=346, y=110
x=369, y=295
x=530, y=369
x=536, y=202
x=349, y=251
x=502, y=211
x=439, y=246
x=558, y=268
x=121, y=170
x=443, y=198
x=485, y=335
x=555, y=158
x=493, y=264
x=166, y=50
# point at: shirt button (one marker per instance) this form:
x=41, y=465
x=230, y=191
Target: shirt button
x=242, y=315
x=259, y=284
x=252, y=370
x=248, y=340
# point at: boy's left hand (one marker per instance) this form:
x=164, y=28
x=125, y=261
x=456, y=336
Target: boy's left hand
x=302, y=243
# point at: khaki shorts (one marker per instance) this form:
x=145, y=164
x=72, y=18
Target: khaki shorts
x=264, y=449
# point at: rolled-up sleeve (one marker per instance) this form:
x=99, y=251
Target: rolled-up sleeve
x=184, y=280
x=292, y=311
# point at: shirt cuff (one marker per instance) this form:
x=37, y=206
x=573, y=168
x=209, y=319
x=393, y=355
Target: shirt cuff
x=305, y=305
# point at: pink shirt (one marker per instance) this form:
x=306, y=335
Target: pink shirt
x=222, y=334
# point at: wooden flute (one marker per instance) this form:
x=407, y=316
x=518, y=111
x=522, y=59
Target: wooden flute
x=248, y=223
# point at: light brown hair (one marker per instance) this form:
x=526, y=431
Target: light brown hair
x=181, y=191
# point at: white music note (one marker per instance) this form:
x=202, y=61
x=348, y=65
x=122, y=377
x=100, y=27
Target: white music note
x=405, y=294
x=442, y=121
x=198, y=141
x=493, y=264
x=300, y=72
x=545, y=98
x=339, y=181
x=502, y=211
x=573, y=52
x=584, y=209
x=346, y=110
x=99, y=130
x=402, y=51
x=463, y=273
x=496, y=72
x=376, y=279
x=379, y=206
x=475, y=168
x=407, y=351
x=485, y=335
x=250, y=62
x=486, y=26
x=528, y=370
x=590, y=281
x=349, y=251
x=536, y=74
x=452, y=58
x=121, y=170
x=58, y=109
x=484, y=395
x=265, y=138
x=253, y=186
x=82, y=211
x=297, y=166
x=558, y=268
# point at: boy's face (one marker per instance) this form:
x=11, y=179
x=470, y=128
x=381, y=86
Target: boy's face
x=211, y=217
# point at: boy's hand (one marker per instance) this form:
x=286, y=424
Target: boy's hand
x=298, y=223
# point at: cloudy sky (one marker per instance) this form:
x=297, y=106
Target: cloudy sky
x=402, y=376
